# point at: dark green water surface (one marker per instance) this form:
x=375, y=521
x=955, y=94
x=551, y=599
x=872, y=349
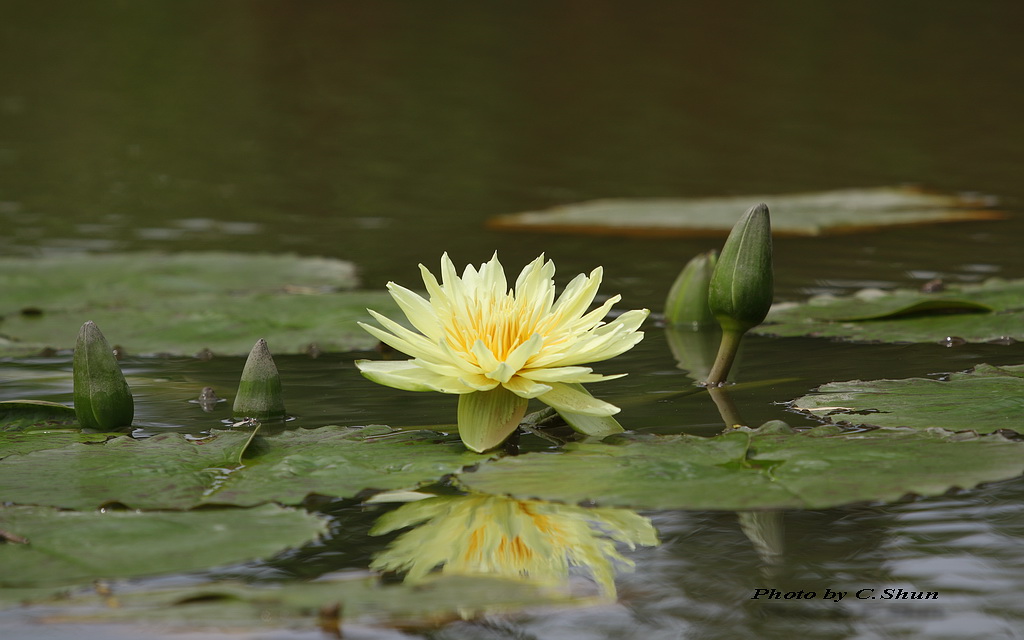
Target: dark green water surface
x=386, y=133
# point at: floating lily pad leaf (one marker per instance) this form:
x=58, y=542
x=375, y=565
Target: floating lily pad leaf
x=167, y=471
x=69, y=547
x=341, y=462
x=17, y=415
x=755, y=470
x=295, y=606
x=170, y=471
x=983, y=400
x=799, y=214
x=992, y=310
x=225, y=324
x=20, y=442
x=33, y=285
x=181, y=304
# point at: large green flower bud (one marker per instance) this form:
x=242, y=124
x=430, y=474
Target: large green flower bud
x=259, y=391
x=742, y=285
x=102, y=398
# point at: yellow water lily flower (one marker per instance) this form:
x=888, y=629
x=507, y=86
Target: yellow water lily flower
x=498, y=347
x=480, y=534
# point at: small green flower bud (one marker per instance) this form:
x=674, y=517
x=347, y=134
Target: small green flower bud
x=102, y=398
x=687, y=301
x=259, y=391
x=741, y=287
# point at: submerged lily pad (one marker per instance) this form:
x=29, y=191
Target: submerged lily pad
x=180, y=304
x=992, y=310
x=72, y=547
x=17, y=415
x=761, y=469
x=324, y=604
x=984, y=400
x=799, y=214
x=171, y=471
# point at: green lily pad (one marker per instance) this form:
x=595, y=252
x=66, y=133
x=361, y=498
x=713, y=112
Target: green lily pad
x=341, y=462
x=356, y=600
x=984, y=400
x=17, y=415
x=96, y=280
x=167, y=471
x=172, y=471
x=21, y=442
x=72, y=547
x=992, y=310
x=799, y=214
x=181, y=304
x=755, y=469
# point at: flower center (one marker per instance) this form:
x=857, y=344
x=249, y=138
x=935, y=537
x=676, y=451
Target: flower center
x=501, y=322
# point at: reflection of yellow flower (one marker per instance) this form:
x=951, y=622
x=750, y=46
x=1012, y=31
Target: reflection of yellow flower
x=498, y=347
x=493, y=535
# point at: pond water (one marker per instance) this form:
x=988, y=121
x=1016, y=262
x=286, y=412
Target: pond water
x=388, y=133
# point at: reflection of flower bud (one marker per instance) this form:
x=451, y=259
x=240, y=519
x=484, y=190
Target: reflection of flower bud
x=102, y=398
x=741, y=288
x=687, y=301
x=259, y=390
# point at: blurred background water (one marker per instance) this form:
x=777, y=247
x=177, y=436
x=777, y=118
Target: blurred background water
x=386, y=133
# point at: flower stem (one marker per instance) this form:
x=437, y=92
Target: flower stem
x=727, y=350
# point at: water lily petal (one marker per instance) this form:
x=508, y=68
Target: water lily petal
x=594, y=318
x=535, y=278
x=578, y=295
x=484, y=357
x=595, y=426
x=492, y=276
x=452, y=284
x=438, y=299
x=602, y=343
x=392, y=341
x=535, y=291
x=465, y=361
x=407, y=376
x=419, y=344
x=501, y=373
x=526, y=388
x=419, y=311
x=478, y=382
x=563, y=397
x=521, y=354
x=566, y=374
x=631, y=320
x=487, y=418
x=441, y=368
